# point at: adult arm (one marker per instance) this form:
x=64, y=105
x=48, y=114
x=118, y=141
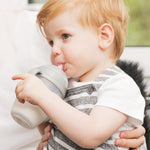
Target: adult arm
x=129, y=139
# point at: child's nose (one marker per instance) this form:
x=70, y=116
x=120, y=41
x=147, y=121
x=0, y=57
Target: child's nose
x=56, y=51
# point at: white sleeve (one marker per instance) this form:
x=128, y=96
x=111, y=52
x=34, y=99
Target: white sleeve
x=121, y=93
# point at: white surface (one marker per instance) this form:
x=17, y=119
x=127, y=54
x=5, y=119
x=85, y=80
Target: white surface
x=142, y=56
x=21, y=48
x=35, y=6
x=12, y=4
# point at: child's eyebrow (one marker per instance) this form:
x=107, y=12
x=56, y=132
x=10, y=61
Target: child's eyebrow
x=59, y=31
x=62, y=30
x=48, y=35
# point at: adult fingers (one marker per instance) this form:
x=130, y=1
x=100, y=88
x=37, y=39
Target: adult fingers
x=48, y=129
x=135, y=133
x=43, y=141
x=41, y=146
x=130, y=143
x=45, y=137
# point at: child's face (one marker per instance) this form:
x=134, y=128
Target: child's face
x=73, y=47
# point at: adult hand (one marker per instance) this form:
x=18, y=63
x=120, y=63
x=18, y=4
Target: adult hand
x=131, y=138
x=45, y=137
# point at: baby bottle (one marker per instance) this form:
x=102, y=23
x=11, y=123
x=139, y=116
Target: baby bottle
x=30, y=116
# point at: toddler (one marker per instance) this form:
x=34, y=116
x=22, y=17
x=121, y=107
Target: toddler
x=87, y=38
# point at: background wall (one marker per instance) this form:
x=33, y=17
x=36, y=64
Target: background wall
x=141, y=55
x=12, y=4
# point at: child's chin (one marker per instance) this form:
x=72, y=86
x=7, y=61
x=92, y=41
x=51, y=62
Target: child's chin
x=68, y=76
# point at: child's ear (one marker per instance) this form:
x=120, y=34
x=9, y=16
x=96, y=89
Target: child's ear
x=105, y=36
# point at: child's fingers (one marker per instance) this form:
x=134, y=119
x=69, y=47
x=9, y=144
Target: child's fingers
x=22, y=101
x=20, y=98
x=19, y=87
x=18, y=91
x=21, y=76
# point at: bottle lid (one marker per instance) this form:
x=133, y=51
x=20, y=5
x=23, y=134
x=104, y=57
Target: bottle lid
x=53, y=74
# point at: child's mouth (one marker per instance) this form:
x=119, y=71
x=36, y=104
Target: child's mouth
x=62, y=67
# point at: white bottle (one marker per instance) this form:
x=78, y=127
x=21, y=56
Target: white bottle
x=30, y=116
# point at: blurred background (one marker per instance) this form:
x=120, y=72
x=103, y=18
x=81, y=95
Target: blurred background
x=139, y=26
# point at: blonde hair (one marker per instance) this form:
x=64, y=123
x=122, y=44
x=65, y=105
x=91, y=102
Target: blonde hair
x=92, y=14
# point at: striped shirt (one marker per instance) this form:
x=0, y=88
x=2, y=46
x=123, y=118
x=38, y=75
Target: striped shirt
x=84, y=96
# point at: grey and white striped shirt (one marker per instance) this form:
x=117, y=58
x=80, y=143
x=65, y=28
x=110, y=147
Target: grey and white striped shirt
x=84, y=96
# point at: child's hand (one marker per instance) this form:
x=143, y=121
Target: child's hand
x=29, y=89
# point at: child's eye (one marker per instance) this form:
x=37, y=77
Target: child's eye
x=51, y=43
x=65, y=36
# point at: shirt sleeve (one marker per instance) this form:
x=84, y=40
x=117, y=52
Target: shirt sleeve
x=122, y=94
